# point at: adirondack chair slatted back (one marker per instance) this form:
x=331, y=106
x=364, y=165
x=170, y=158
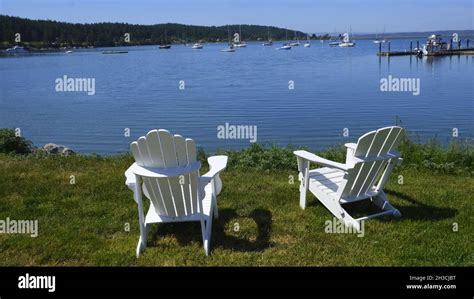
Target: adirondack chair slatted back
x=373, y=149
x=171, y=196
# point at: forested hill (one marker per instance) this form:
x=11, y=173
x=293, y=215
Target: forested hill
x=47, y=33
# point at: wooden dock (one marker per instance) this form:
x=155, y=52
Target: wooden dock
x=396, y=53
x=462, y=51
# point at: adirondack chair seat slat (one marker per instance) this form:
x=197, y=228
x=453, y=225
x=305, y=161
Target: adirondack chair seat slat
x=166, y=171
x=325, y=178
x=153, y=217
x=369, y=163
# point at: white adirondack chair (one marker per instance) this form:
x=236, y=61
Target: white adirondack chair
x=167, y=172
x=368, y=166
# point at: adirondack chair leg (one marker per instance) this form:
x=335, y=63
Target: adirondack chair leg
x=203, y=231
x=338, y=211
x=382, y=202
x=350, y=221
x=303, y=168
x=206, y=227
x=214, y=197
x=208, y=234
x=141, y=218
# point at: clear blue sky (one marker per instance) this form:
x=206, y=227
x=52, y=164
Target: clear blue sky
x=305, y=15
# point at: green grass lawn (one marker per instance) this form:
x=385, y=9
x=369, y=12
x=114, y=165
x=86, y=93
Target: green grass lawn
x=260, y=222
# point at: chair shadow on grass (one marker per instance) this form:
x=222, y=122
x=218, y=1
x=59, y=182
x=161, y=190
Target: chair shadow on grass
x=417, y=211
x=188, y=232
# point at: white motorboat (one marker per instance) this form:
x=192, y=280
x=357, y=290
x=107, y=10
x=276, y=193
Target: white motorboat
x=229, y=49
x=16, y=49
x=345, y=45
x=197, y=46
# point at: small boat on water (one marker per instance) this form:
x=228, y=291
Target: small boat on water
x=165, y=45
x=231, y=47
x=241, y=45
x=434, y=44
x=295, y=43
x=16, y=50
x=346, y=45
x=380, y=40
x=286, y=46
x=68, y=52
x=335, y=40
x=346, y=41
x=307, y=44
x=238, y=43
x=269, y=42
x=197, y=46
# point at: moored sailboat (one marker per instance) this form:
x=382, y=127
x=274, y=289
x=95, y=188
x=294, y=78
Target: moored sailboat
x=238, y=39
x=269, y=42
x=231, y=47
x=346, y=41
x=165, y=45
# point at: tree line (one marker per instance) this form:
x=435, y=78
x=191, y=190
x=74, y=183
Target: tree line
x=48, y=33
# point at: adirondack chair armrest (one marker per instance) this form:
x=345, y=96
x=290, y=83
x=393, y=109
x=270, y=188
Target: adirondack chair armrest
x=395, y=153
x=320, y=160
x=398, y=159
x=351, y=145
x=130, y=179
x=216, y=165
x=164, y=172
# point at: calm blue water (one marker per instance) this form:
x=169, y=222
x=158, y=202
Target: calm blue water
x=335, y=88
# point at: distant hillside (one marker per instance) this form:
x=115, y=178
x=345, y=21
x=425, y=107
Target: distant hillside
x=47, y=33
